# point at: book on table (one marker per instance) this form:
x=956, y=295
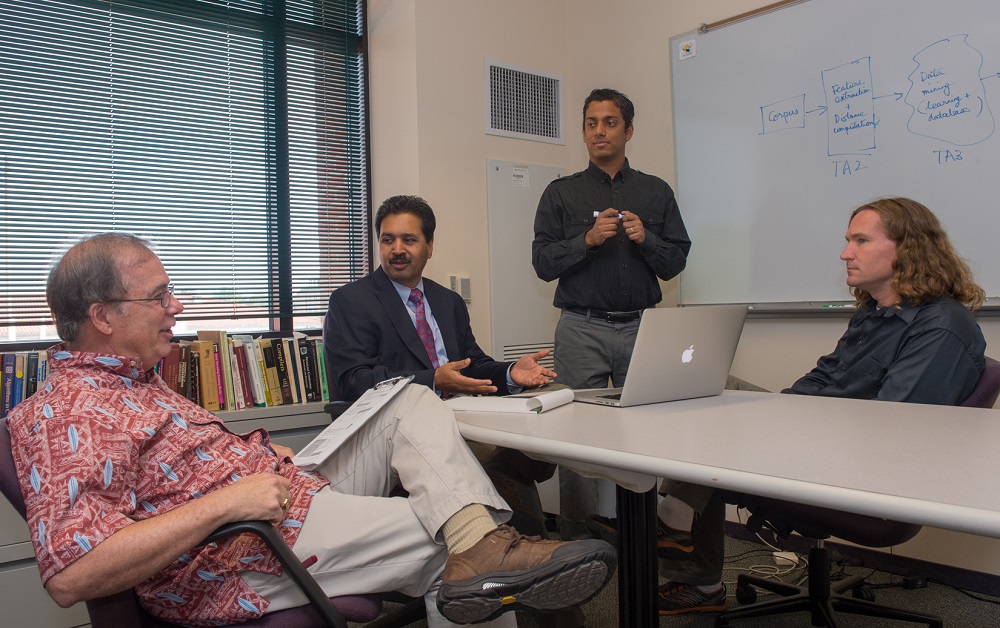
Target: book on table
x=530, y=401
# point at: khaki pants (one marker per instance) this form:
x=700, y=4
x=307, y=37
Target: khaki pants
x=365, y=542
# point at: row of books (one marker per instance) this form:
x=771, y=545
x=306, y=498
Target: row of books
x=21, y=374
x=222, y=372
x=217, y=371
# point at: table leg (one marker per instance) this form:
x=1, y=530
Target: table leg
x=637, y=568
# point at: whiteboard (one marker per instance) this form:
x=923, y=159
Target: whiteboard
x=788, y=121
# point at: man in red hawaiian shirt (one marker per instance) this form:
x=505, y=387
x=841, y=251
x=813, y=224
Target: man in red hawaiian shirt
x=123, y=478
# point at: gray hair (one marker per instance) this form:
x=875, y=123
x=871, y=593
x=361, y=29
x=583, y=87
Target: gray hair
x=89, y=273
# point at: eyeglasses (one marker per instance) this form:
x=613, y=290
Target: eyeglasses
x=163, y=298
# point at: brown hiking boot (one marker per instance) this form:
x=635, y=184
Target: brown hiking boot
x=506, y=571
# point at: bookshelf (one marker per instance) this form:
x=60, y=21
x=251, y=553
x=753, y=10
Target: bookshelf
x=292, y=425
x=216, y=370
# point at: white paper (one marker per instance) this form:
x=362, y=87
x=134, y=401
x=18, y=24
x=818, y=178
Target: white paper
x=528, y=402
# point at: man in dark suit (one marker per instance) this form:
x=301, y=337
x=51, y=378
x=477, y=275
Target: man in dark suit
x=396, y=322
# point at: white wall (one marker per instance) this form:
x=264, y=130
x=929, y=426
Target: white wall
x=427, y=89
x=428, y=112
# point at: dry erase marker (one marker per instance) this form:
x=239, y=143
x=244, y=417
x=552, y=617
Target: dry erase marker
x=596, y=214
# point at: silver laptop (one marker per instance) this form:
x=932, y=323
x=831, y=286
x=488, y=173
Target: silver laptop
x=680, y=353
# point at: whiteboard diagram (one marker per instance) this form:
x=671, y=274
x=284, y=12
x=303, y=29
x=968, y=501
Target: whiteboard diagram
x=786, y=122
x=946, y=95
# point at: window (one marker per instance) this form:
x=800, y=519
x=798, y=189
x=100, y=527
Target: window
x=230, y=133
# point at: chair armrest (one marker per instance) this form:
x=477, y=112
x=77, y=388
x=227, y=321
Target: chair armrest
x=336, y=408
x=293, y=566
x=114, y=611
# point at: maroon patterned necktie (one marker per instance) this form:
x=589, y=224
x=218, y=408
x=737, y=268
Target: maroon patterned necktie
x=423, y=328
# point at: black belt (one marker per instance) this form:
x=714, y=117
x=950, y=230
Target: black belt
x=611, y=317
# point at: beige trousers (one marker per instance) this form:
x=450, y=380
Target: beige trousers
x=365, y=542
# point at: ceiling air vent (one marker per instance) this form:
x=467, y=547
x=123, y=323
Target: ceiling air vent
x=522, y=104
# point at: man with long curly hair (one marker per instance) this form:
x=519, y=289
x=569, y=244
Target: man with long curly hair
x=913, y=338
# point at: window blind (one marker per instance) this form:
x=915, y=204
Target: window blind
x=232, y=134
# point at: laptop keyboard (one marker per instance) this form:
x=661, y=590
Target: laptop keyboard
x=617, y=396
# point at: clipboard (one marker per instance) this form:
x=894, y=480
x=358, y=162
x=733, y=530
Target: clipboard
x=337, y=433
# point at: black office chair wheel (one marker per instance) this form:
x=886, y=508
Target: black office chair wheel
x=863, y=592
x=745, y=594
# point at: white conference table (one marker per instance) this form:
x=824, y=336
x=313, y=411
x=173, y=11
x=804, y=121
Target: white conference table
x=931, y=465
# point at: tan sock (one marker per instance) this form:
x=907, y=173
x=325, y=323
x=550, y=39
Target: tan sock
x=466, y=527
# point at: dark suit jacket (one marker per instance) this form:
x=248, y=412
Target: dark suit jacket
x=368, y=337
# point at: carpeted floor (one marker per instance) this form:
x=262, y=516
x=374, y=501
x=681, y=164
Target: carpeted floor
x=957, y=609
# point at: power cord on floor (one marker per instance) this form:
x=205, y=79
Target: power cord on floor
x=840, y=572
x=740, y=556
x=796, y=572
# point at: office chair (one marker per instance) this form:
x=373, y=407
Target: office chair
x=821, y=597
x=987, y=389
x=336, y=406
x=122, y=610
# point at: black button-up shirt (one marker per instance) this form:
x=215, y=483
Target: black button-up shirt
x=930, y=353
x=618, y=276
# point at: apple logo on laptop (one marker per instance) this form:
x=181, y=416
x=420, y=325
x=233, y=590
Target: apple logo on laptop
x=687, y=355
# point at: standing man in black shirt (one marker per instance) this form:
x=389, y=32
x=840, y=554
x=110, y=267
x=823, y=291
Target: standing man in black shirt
x=607, y=234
